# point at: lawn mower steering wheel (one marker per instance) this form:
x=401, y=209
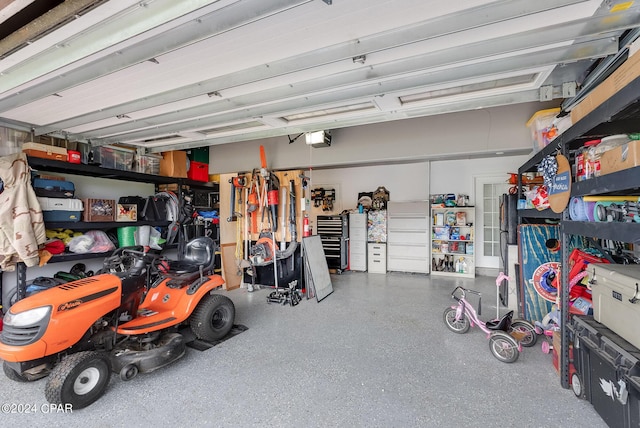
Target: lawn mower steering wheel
x=123, y=259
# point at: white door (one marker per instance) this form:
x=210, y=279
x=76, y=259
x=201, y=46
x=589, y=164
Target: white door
x=487, y=199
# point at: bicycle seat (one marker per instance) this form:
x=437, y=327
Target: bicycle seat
x=500, y=324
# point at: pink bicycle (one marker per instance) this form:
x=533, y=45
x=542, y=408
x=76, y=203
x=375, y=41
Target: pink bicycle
x=506, y=335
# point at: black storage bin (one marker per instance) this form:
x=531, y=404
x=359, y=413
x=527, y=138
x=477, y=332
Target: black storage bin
x=609, y=370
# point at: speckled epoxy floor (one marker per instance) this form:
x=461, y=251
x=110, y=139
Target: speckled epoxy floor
x=375, y=353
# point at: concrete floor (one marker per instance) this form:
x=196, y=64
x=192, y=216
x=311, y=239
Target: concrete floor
x=375, y=353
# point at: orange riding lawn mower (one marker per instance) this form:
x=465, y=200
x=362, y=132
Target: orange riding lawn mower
x=131, y=317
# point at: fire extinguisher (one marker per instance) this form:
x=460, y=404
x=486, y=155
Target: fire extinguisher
x=306, y=230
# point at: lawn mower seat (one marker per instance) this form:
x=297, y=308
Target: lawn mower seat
x=198, y=260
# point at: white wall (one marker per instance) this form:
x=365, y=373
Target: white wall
x=456, y=176
x=411, y=158
x=404, y=182
x=454, y=135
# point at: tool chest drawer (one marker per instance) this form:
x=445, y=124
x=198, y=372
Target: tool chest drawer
x=334, y=233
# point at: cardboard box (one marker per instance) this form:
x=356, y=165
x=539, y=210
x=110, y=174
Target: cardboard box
x=555, y=354
x=99, y=210
x=174, y=164
x=625, y=74
x=620, y=157
x=127, y=212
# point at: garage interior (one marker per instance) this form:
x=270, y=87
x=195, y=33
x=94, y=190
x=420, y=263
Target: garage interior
x=417, y=97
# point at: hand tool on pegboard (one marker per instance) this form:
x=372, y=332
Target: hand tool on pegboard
x=237, y=183
x=271, y=189
x=283, y=218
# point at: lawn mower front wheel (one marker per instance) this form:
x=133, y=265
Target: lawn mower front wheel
x=79, y=379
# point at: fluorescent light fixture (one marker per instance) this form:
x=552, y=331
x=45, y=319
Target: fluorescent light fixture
x=318, y=138
x=387, y=102
x=274, y=122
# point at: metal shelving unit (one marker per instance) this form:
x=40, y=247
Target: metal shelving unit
x=619, y=114
x=531, y=213
x=49, y=165
x=81, y=225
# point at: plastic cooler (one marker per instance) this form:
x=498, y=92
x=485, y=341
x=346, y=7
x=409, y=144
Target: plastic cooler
x=616, y=298
x=61, y=209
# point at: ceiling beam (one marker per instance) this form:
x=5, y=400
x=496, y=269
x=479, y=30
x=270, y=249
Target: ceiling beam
x=45, y=23
x=234, y=15
x=526, y=61
x=476, y=17
x=473, y=52
x=481, y=102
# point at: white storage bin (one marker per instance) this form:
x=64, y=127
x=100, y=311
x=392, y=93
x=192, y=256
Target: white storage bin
x=61, y=209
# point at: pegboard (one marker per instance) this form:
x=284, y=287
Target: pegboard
x=256, y=222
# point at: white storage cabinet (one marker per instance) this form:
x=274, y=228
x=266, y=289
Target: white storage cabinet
x=408, y=236
x=358, y=241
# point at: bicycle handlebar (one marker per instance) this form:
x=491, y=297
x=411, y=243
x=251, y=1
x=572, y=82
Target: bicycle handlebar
x=463, y=291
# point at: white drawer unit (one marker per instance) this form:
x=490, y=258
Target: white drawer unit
x=408, y=236
x=358, y=241
x=377, y=257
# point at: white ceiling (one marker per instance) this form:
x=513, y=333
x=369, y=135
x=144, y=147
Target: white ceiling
x=166, y=74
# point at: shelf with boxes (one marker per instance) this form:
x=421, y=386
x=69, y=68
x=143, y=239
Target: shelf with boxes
x=62, y=220
x=604, y=191
x=50, y=165
x=98, y=214
x=452, y=241
x=66, y=212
